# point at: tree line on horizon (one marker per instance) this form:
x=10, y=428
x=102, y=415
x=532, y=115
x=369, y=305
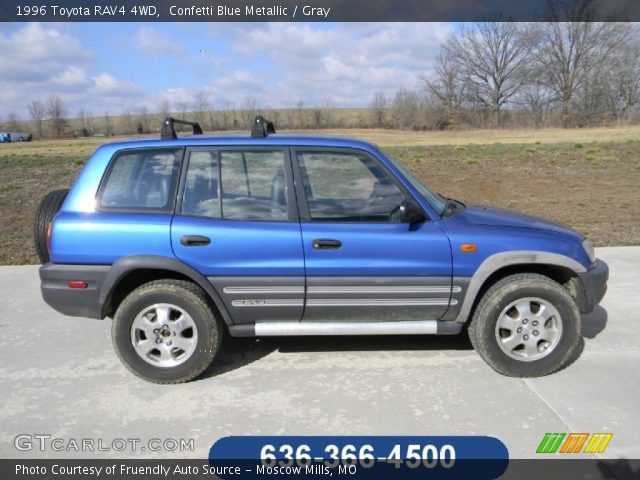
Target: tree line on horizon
x=487, y=75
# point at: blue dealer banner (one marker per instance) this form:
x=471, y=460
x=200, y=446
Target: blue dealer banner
x=359, y=457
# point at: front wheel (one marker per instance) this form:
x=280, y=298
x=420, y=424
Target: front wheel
x=526, y=325
x=166, y=331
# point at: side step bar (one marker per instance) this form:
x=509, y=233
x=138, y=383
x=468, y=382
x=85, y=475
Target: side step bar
x=286, y=329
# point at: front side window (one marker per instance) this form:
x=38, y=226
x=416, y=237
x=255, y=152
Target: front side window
x=348, y=187
x=236, y=185
x=141, y=180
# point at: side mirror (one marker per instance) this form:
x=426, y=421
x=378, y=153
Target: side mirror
x=411, y=213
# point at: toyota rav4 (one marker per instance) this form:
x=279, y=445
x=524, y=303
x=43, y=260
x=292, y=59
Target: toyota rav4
x=182, y=240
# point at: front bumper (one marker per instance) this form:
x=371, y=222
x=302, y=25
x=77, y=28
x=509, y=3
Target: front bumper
x=74, y=302
x=594, y=286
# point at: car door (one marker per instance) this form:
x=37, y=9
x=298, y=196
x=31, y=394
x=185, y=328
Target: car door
x=236, y=223
x=362, y=262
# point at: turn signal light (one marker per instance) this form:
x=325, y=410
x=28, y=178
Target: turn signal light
x=468, y=247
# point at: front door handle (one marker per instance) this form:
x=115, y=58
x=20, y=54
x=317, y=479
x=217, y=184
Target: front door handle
x=194, y=240
x=326, y=244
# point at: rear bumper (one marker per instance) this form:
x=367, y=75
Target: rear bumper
x=75, y=302
x=594, y=286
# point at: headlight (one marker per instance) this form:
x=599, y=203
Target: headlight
x=588, y=247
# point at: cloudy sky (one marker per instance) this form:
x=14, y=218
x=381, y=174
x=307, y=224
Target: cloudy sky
x=116, y=66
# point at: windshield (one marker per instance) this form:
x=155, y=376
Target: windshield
x=435, y=200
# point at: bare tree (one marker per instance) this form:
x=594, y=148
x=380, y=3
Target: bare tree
x=573, y=47
x=328, y=110
x=300, y=116
x=537, y=101
x=108, y=126
x=379, y=105
x=12, y=121
x=494, y=57
x=37, y=112
x=201, y=106
x=56, y=113
x=273, y=114
x=596, y=102
x=316, y=116
x=625, y=77
x=128, y=121
x=86, y=122
x=212, y=119
x=165, y=109
x=250, y=111
x=181, y=107
x=228, y=114
x=448, y=86
x=406, y=108
x=142, y=120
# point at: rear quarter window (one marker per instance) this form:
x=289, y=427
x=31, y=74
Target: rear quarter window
x=144, y=180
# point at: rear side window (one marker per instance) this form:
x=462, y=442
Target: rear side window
x=201, y=189
x=236, y=185
x=141, y=180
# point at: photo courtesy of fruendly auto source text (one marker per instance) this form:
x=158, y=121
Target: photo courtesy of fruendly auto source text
x=303, y=239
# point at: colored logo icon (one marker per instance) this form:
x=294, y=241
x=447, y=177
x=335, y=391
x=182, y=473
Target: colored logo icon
x=574, y=442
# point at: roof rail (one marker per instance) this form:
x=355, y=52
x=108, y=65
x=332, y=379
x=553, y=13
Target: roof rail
x=169, y=132
x=261, y=127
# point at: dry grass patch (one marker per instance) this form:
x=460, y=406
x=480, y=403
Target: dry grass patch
x=595, y=188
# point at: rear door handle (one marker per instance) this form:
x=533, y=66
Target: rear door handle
x=326, y=244
x=194, y=240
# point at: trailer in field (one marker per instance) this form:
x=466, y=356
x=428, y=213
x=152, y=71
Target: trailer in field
x=6, y=137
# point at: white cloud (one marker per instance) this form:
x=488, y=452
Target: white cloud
x=275, y=64
x=345, y=63
x=72, y=77
x=37, y=60
x=284, y=41
x=151, y=41
x=109, y=86
x=35, y=52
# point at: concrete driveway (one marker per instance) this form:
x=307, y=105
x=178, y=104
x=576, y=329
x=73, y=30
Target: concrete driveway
x=59, y=376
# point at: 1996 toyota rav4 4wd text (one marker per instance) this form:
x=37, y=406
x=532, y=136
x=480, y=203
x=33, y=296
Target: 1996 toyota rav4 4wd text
x=180, y=240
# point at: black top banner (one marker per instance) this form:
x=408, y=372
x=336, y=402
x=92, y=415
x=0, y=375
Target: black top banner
x=317, y=10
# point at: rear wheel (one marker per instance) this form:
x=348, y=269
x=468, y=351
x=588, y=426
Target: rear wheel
x=526, y=325
x=47, y=209
x=166, y=331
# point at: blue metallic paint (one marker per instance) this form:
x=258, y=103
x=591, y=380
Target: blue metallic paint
x=82, y=235
x=240, y=248
x=100, y=238
x=510, y=232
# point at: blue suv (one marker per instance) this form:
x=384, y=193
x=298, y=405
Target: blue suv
x=182, y=240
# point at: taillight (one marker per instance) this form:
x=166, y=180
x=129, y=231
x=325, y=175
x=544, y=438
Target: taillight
x=49, y=238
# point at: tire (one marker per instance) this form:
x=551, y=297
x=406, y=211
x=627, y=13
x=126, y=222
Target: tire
x=526, y=325
x=165, y=351
x=47, y=209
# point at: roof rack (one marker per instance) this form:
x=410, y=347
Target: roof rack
x=169, y=132
x=261, y=127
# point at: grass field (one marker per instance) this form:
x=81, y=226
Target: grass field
x=588, y=179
